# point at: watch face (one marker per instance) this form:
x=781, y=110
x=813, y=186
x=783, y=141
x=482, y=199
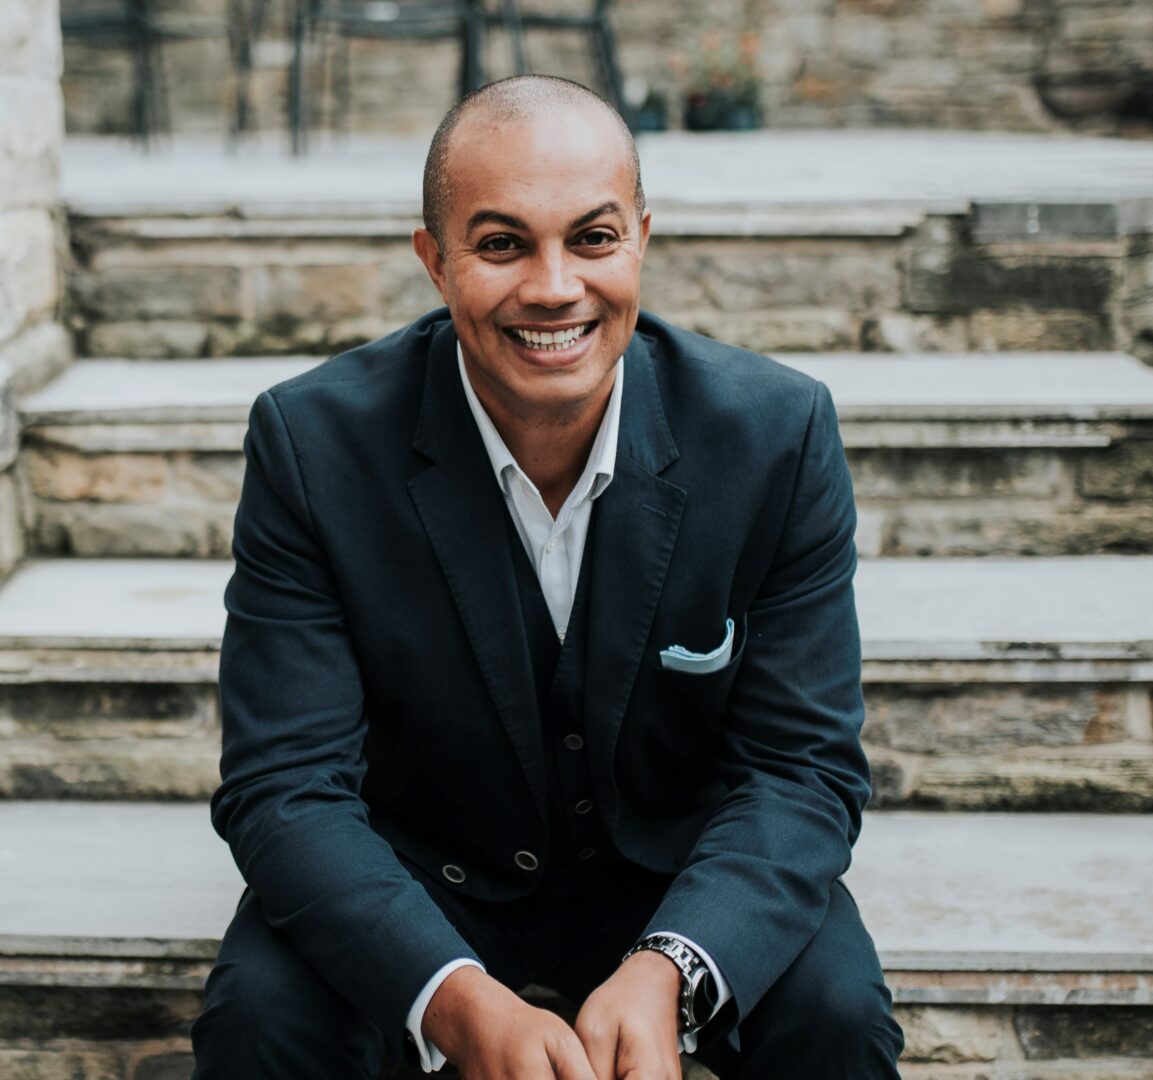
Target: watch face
x=704, y=996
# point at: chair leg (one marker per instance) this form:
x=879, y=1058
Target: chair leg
x=510, y=16
x=605, y=50
x=472, y=55
x=297, y=103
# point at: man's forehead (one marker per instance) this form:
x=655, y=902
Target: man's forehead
x=551, y=124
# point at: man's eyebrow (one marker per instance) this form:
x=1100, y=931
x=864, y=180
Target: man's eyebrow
x=600, y=211
x=495, y=217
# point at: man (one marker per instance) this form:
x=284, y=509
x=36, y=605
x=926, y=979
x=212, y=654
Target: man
x=541, y=649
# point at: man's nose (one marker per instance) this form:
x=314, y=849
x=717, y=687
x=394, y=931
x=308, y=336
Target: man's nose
x=552, y=279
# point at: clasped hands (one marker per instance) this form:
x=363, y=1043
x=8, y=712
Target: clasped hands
x=626, y=1029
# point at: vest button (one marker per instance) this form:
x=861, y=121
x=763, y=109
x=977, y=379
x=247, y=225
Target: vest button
x=526, y=860
x=453, y=873
x=586, y=853
x=584, y=806
x=574, y=742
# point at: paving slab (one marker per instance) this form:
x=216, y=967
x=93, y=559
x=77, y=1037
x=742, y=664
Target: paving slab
x=911, y=170
x=1078, y=386
x=111, y=603
x=940, y=892
x=1073, y=608
x=1076, y=608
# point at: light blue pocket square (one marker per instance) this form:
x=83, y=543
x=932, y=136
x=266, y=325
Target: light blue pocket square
x=678, y=658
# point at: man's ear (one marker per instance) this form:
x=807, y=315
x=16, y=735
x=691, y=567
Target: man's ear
x=646, y=226
x=428, y=251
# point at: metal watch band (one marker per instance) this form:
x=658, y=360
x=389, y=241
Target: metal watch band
x=692, y=969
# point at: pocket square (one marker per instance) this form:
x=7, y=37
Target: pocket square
x=678, y=658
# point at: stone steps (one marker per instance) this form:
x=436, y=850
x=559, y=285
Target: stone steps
x=900, y=241
x=991, y=683
x=1016, y=945
x=1043, y=454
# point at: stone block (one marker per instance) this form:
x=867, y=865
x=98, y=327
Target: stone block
x=1121, y=472
x=31, y=130
x=155, y=339
x=997, y=222
x=64, y=1063
x=968, y=281
x=30, y=38
x=214, y=477
x=63, y=475
x=113, y=769
x=80, y=710
x=313, y=293
x=1046, y=1034
x=28, y=279
x=748, y=276
x=990, y=528
x=128, y=530
x=40, y=1014
x=788, y=330
x=901, y=332
x=159, y=292
x=950, y=1036
x=991, y=719
x=1025, y=329
x=960, y=473
x=1092, y=781
x=165, y=1066
x=36, y=355
x=12, y=545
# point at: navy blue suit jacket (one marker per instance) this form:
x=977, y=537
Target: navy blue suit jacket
x=376, y=685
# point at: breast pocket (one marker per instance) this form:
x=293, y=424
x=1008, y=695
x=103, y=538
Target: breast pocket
x=703, y=680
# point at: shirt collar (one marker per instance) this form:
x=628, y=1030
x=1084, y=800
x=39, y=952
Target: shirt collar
x=598, y=471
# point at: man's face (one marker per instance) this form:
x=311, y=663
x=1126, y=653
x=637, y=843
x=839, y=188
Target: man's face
x=541, y=261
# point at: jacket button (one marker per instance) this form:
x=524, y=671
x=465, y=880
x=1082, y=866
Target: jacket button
x=586, y=853
x=574, y=742
x=526, y=860
x=584, y=806
x=453, y=873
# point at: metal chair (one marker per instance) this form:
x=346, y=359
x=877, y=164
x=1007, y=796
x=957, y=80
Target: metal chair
x=134, y=25
x=594, y=22
x=463, y=21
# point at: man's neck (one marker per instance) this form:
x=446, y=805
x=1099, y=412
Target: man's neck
x=552, y=455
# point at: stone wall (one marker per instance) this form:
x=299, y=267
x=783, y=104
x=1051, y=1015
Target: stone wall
x=1025, y=65
x=32, y=344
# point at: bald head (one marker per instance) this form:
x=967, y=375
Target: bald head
x=509, y=102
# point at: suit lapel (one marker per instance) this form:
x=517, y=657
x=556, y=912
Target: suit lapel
x=463, y=513
x=636, y=521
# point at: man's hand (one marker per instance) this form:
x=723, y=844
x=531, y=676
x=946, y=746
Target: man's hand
x=628, y=1025
x=489, y=1033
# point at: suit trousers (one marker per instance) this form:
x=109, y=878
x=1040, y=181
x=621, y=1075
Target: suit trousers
x=268, y=1014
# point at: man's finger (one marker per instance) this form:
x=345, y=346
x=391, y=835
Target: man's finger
x=570, y=1062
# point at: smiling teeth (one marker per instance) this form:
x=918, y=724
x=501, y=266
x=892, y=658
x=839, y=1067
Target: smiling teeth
x=550, y=342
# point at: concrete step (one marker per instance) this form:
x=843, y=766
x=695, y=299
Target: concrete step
x=899, y=241
x=1007, y=684
x=1043, y=454
x=1015, y=945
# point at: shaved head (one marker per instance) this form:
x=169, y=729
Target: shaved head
x=507, y=103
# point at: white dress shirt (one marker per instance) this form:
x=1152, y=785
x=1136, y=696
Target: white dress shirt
x=555, y=548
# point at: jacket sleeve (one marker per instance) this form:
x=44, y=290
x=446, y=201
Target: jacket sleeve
x=755, y=888
x=294, y=728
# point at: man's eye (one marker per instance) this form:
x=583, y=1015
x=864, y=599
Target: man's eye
x=498, y=244
x=598, y=238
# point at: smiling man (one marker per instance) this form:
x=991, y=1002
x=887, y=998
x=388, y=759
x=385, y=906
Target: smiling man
x=542, y=666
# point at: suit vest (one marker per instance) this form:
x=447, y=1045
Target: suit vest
x=580, y=849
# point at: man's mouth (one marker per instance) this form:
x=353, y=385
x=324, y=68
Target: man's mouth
x=550, y=341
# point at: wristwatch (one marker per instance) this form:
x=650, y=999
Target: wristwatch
x=698, y=998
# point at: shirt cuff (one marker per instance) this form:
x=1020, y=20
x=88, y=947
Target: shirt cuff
x=687, y=1043
x=431, y=1059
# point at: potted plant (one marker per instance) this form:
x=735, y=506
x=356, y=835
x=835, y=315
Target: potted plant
x=724, y=83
